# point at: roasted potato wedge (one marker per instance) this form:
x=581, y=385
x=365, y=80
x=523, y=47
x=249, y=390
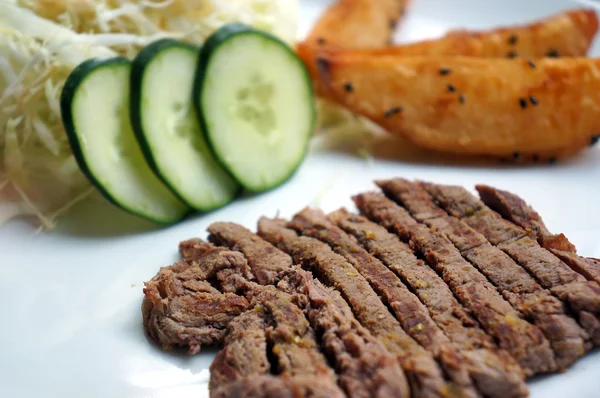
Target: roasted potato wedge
x=357, y=23
x=464, y=105
x=567, y=34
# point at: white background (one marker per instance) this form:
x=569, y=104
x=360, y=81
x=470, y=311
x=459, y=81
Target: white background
x=70, y=320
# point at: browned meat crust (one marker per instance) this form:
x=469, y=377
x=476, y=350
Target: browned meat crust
x=582, y=296
x=516, y=285
x=494, y=372
x=407, y=308
x=524, y=341
x=424, y=375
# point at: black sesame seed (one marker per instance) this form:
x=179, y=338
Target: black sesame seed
x=595, y=139
x=321, y=40
x=462, y=99
x=531, y=64
x=451, y=88
x=348, y=87
x=553, y=53
x=516, y=155
x=445, y=72
x=552, y=160
x=392, y=23
x=323, y=66
x=523, y=103
x=533, y=100
x=512, y=40
x=511, y=54
x=392, y=111
x=535, y=158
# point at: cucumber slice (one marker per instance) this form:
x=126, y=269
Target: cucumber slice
x=164, y=121
x=255, y=102
x=95, y=112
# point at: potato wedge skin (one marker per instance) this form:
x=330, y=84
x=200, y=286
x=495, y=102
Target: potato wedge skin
x=357, y=23
x=495, y=107
x=566, y=34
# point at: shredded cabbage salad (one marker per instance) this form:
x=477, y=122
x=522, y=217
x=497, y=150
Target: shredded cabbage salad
x=41, y=41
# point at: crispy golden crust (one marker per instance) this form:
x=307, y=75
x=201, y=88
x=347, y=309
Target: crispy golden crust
x=357, y=23
x=480, y=106
x=567, y=34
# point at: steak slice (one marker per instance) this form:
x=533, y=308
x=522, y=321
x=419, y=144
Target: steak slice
x=586, y=266
x=524, y=341
x=580, y=295
x=494, y=372
x=365, y=367
x=407, y=308
x=267, y=386
x=244, y=355
x=517, y=286
x=424, y=375
x=242, y=368
x=181, y=309
x=515, y=209
x=265, y=260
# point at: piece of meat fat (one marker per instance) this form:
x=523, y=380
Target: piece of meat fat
x=517, y=286
x=524, y=341
x=408, y=310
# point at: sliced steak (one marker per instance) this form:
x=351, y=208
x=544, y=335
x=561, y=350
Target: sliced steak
x=409, y=311
x=266, y=261
x=181, y=309
x=517, y=286
x=424, y=375
x=515, y=209
x=267, y=386
x=244, y=355
x=242, y=368
x=364, y=366
x=494, y=372
x=523, y=340
x=586, y=266
x=573, y=289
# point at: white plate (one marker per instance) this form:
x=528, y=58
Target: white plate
x=71, y=323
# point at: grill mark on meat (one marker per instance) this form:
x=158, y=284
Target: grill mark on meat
x=515, y=209
x=582, y=296
x=495, y=372
x=364, y=366
x=181, y=309
x=424, y=376
x=265, y=261
x=524, y=341
x=406, y=307
x=517, y=286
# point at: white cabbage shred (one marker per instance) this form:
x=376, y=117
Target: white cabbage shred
x=42, y=41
